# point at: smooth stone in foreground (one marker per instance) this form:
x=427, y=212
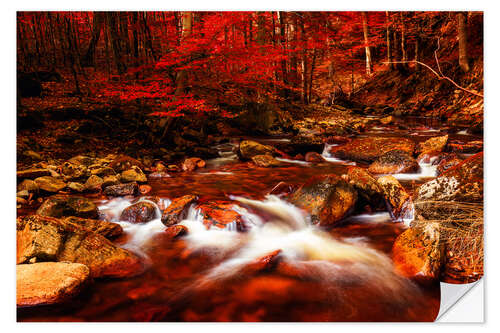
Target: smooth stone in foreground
x=49, y=282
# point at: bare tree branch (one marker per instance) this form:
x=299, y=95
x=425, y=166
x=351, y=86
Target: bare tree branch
x=437, y=74
x=440, y=75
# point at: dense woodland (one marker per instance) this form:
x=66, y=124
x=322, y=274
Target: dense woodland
x=247, y=166
x=196, y=62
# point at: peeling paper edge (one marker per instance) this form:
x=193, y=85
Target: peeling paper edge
x=452, y=294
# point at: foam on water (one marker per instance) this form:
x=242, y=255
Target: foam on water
x=220, y=173
x=311, y=250
x=292, y=161
x=139, y=232
x=274, y=224
x=427, y=170
x=381, y=217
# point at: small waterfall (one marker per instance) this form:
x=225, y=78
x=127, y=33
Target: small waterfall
x=140, y=232
x=330, y=158
x=226, y=155
x=278, y=225
x=427, y=170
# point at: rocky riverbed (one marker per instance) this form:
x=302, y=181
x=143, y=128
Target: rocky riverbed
x=242, y=236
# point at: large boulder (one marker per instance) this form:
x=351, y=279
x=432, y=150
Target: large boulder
x=120, y=190
x=265, y=161
x=177, y=210
x=368, y=149
x=59, y=206
x=463, y=182
x=107, y=229
x=42, y=238
x=50, y=184
x=328, y=199
x=47, y=283
x=368, y=188
x=140, y=212
x=219, y=214
x=398, y=201
x=418, y=252
x=435, y=144
x=249, y=149
x=394, y=161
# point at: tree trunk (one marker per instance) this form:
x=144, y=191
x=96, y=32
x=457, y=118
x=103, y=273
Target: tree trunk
x=388, y=40
x=293, y=77
x=304, y=62
x=313, y=62
x=97, y=22
x=73, y=56
x=115, y=42
x=281, y=19
x=261, y=29
x=463, y=59
x=181, y=80
x=403, y=39
x=135, y=20
x=367, y=47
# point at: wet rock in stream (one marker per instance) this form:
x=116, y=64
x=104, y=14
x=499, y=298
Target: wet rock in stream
x=176, y=231
x=418, y=253
x=366, y=185
x=219, y=214
x=314, y=157
x=368, y=149
x=328, y=199
x=397, y=199
x=139, y=212
x=249, y=149
x=436, y=144
x=266, y=161
x=463, y=183
x=394, y=161
x=177, y=210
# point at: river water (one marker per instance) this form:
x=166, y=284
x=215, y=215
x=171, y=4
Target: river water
x=339, y=274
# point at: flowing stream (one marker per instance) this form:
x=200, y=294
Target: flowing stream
x=339, y=274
